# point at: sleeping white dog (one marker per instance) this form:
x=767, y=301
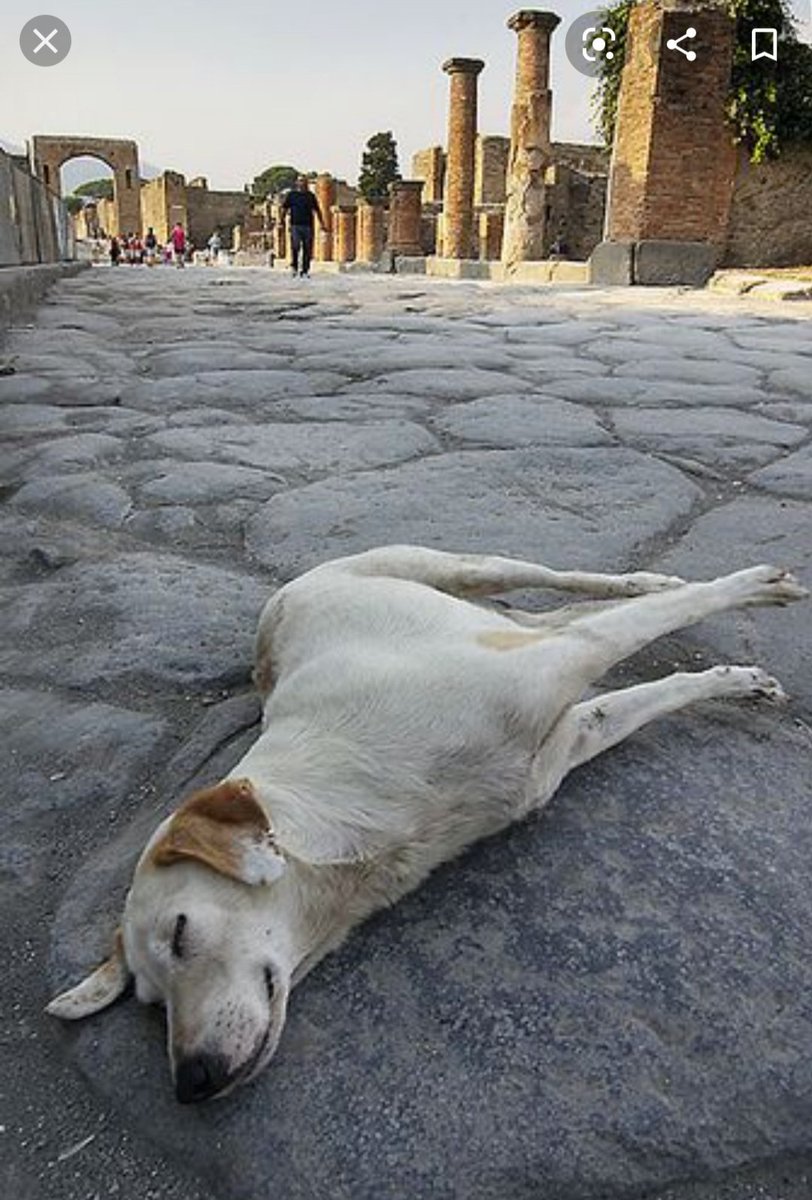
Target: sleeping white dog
x=401, y=723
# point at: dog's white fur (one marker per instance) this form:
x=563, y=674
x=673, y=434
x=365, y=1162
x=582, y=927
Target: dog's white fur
x=401, y=723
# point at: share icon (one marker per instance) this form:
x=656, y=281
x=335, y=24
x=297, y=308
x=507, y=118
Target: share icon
x=674, y=44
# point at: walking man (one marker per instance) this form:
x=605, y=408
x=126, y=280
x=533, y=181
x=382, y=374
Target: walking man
x=303, y=207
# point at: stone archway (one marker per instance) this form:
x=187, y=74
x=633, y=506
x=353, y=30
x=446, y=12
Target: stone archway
x=49, y=154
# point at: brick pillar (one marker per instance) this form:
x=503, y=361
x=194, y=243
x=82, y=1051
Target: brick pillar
x=404, y=217
x=673, y=161
x=458, y=238
x=370, y=232
x=530, y=152
x=344, y=233
x=326, y=192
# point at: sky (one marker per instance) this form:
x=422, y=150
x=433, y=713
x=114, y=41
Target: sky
x=225, y=90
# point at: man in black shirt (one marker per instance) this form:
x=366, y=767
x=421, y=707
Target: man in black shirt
x=302, y=206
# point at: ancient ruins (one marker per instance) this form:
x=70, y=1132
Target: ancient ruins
x=498, y=206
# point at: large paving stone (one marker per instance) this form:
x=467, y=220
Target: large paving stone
x=58, y=755
x=461, y=383
x=204, y=482
x=26, y=420
x=584, y=507
x=346, y=406
x=190, y=360
x=682, y=370
x=715, y=436
x=87, y=497
x=146, y=617
x=745, y=532
x=79, y=452
x=304, y=449
x=508, y=421
x=790, y=476
x=553, y=1011
x=227, y=387
x=445, y=355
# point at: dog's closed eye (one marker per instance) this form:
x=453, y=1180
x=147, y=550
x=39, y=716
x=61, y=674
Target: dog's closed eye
x=177, y=936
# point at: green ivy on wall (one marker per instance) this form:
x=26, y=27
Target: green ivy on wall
x=770, y=103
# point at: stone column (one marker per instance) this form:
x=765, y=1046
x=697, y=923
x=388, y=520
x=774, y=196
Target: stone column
x=458, y=225
x=370, y=230
x=280, y=233
x=344, y=233
x=326, y=192
x=404, y=217
x=530, y=152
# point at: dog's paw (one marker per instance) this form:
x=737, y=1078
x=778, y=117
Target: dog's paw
x=771, y=585
x=751, y=681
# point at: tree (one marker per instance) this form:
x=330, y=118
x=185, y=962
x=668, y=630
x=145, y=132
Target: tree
x=274, y=180
x=74, y=204
x=97, y=189
x=767, y=108
x=379, y=166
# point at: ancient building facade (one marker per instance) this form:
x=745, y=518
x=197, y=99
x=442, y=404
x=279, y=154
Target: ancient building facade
x=201, y=211
x=49, y=155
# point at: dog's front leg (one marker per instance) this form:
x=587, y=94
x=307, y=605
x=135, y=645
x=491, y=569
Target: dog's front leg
x=589, y=728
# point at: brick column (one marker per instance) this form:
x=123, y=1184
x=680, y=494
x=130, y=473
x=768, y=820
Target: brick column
x=344, y=233
x=404, y=217
x=326, y=192
x=458, y=238
x=673, y=160
x=370, y=231
x=530, y=152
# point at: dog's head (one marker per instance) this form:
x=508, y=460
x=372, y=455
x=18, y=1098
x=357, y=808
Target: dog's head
x=207, y=931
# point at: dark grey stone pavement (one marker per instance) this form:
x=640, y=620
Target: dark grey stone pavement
x=613, y=1000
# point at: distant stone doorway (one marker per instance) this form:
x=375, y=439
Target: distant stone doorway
x=49, y=154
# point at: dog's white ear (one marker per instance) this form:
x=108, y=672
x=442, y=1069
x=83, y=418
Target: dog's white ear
x=100, y=989
x=225, y=828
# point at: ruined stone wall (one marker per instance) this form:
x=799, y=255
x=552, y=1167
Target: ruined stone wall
x=106, y=216
x=209, y=211
x=490, y=169
x=771, y=211
x=163, y=202
x=429, y=165
x=33, y=221
x=576, y=206
x=580, y=156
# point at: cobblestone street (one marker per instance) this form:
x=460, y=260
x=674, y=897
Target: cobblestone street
x=609, y=1001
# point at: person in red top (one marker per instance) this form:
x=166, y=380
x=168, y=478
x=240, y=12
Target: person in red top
x=178, y=240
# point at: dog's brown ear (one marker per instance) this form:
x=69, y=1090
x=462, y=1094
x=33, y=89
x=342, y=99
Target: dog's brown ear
x=100, y=989
x=225, y=828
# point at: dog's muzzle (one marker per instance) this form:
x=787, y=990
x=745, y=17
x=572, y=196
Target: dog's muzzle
x=200, y=1078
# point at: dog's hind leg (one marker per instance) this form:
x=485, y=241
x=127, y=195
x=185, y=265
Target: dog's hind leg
x=589, y=728
x=593, y=643
x=484, y=575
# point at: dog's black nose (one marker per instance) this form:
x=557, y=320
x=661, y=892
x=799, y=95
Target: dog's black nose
x=200, y=1078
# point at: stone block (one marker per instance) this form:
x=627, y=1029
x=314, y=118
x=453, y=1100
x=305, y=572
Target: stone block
x=665, y=263
x=611, y=264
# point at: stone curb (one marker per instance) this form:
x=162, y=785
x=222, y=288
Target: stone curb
x=22, y=288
